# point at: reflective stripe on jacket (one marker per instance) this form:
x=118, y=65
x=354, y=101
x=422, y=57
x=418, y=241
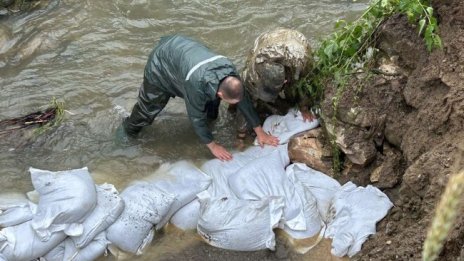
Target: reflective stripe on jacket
x=176, y=57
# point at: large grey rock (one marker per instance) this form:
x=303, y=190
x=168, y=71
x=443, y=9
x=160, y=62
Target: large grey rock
x=352, y=141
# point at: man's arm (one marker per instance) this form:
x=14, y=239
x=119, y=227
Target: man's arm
x=246, y=108
x=199, y=123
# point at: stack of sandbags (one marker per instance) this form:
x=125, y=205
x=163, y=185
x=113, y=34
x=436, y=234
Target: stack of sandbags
x=219, y=172
x=233, y=205
x=152, y=202
x=70, y=205
x=266, y=177
x=253, y=177
x=311, y=200
x=92, y=243
x=76, y=220
x=145, y=206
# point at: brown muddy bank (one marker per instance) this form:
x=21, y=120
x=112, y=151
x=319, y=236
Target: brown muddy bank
x=403, y=131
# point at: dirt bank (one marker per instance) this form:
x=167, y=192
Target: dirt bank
x=404, y=130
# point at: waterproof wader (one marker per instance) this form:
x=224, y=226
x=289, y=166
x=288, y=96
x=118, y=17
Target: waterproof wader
x=150, y=102
x=179, y=66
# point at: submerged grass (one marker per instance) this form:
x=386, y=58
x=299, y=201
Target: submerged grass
x=44, y=119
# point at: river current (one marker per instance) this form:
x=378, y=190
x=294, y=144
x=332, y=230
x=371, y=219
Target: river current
x=91, y=54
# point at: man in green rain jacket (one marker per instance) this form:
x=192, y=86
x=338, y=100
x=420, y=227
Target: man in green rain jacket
x=179, y=66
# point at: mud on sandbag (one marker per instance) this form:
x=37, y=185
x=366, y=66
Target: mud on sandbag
x=242, y=225
x=183, y=180
x=145, y=206
x=21, y=243
x=109, y=207
x=152, y=202
x=66, y=197
x=15, y=209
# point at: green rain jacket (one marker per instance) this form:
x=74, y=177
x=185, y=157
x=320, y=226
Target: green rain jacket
x=185, y=68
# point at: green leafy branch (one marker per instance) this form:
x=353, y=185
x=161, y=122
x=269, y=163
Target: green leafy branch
x=421, y=11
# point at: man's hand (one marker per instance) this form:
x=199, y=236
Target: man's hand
x=218, y=151
x=264, y=138
x=307, y=115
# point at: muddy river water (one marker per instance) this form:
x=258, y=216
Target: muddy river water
x=91, y=55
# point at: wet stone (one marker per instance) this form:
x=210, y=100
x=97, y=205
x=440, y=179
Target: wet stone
x=307, y=148
x=3, y=11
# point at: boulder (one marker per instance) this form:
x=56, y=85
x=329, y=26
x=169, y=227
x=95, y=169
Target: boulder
x=353, y=142
x=308, y=148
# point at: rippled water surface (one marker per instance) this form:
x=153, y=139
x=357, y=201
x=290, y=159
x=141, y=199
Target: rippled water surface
x=91, y=54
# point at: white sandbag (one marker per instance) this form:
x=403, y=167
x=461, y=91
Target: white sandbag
x=243, y=225
x=312, y=217
x=322, y=187
x=21, y=243
x=285, y=127
x=68, y=251
x=56, y=254
x=183, y=180
x=357, y=210
x=145, y=206
x=220, y=171
x=109, y=208
x=265, y=177
x=66, y=197
x=186, y=218
x=92, y=251
x=15, y=209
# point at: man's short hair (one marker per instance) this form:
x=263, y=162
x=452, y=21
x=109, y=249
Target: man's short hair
x=232, y=88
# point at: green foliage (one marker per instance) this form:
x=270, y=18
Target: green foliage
x=351, y=47
x=422, y=13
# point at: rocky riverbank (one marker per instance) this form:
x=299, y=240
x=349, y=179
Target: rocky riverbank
x=402, y=130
